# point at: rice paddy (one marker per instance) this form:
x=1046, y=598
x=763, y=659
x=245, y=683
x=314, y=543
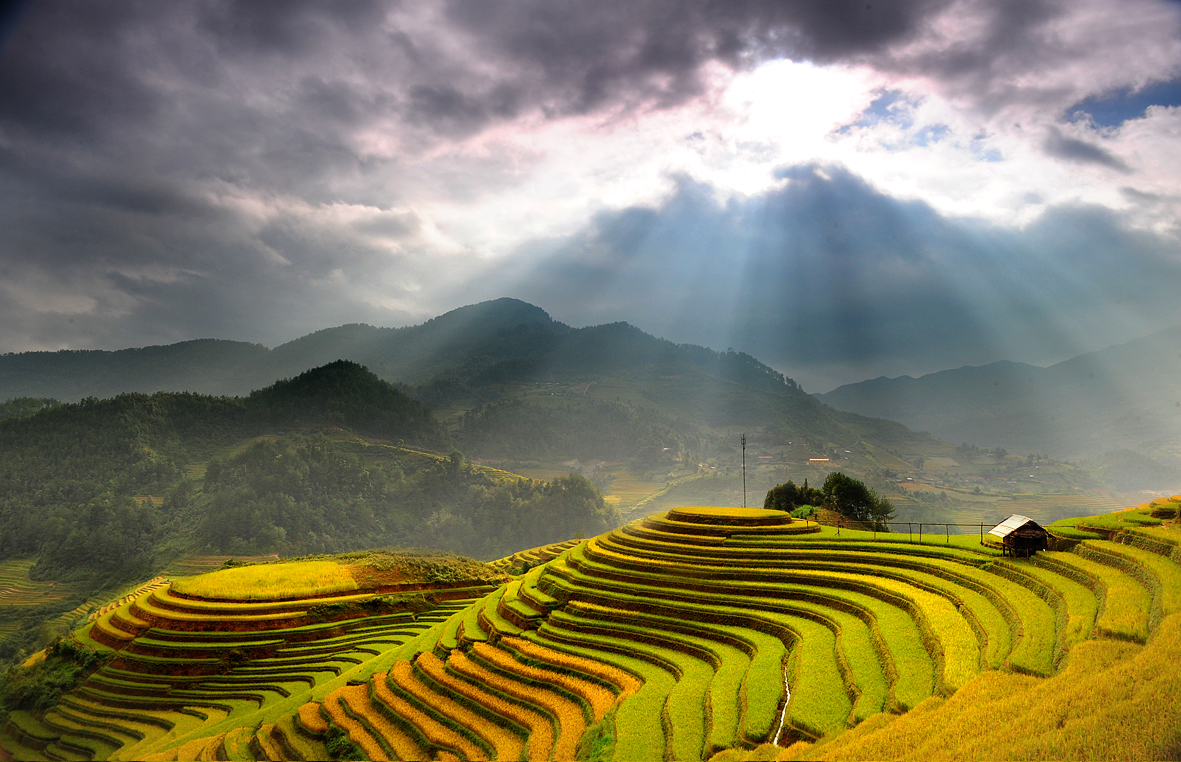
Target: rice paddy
x=17, y=589
x=269, y=581
x=683, y=635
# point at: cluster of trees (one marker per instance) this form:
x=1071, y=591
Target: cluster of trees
x=70, y=473
x=19, y=407
x=971, y=452
x=841, y=493
x=310, y=495
x=38, y=687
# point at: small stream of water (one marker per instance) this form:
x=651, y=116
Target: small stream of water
x=783, y=712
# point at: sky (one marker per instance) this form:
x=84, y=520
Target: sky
x=842, y=189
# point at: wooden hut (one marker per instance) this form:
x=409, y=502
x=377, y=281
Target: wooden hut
x=1021, y=536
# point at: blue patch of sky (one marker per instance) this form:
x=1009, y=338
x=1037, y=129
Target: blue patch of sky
x=893, y=107
x=930, y=134
x=890, y=107
x=1113, y=109
x=982, y=152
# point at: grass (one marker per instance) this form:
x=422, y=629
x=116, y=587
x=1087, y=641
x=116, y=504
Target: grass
x=668, y=638
x=684, y=656
x=725, y=514
x=913, y=666
x=1081, y=604
x=448, y=717
x=727, y=649
x=234, y=677
x=622, y=680
x=855, y=641
x=819, y=701
x=1166, y=573
x=545, y=686
x=337, y=705
x=532, y=556
x=16, y=589
x=956, y=638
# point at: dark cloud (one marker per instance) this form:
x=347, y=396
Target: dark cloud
x=832, y=281
x=585, y=55
x=162, y=163
x=1081, y=152
x=286, y=27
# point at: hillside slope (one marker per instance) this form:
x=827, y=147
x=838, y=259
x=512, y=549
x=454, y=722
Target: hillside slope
x=1122, y=397
x=485, y=356
x=684, y=635
x=234, y=368
x=97, y=494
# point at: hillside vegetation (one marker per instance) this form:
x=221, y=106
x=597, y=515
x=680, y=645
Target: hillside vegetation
x=636, y=414
x=102, y=493
x=689, y=634
x=486, y=360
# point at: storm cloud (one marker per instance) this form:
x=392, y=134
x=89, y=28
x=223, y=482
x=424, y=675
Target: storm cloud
x=255, y=169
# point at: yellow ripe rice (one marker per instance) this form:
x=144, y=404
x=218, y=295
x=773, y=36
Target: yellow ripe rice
x=402, y=675
x=357, y=732
x=568, y=714
x=507, y=744
x=626, y=683
x=311, y=718
x=403, y=746
x=269, y=581
x=599, y=698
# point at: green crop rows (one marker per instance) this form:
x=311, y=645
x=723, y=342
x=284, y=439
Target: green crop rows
x=672, y=637
x=714, y=618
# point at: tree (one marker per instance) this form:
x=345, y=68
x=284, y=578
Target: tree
x=787, y=497
x=850, y=497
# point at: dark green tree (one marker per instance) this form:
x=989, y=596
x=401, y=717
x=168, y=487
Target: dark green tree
x=789, y=496
x=850, y=497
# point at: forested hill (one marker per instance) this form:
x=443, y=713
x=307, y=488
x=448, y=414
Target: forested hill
x=107, y=489
x=76, y=466
x=476, y=356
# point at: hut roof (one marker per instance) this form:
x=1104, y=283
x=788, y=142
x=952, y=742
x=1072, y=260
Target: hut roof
x=1012, y=524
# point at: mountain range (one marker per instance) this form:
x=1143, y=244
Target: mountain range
x=510, y=384
x=471, y=357
x=1125, y=397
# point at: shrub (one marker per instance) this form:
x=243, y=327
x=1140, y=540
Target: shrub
x=340, y=746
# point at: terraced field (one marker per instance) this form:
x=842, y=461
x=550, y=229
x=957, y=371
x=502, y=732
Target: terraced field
x=684, y=635
x=533, y=556
x=16, y=589
x=188, y=672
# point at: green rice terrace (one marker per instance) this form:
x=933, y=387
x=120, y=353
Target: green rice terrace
x=695, y=633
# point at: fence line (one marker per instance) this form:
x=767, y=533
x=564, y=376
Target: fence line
x=920, y=524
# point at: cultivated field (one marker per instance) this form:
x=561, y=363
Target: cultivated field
x=216, y=664
x=693, y=633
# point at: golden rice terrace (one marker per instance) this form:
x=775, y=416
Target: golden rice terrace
x=698, y=633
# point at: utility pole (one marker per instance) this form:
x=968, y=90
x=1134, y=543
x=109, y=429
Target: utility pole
x=744, y=470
